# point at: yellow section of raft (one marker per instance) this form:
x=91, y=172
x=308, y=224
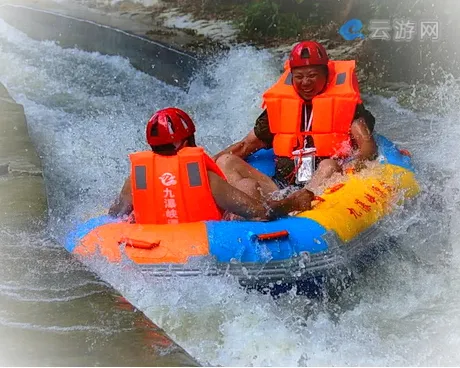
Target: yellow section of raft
x=354, y=205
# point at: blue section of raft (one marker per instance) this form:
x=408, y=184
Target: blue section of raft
x=392, y=154
x=264, y=160
x=241, y=240
x=74, y=237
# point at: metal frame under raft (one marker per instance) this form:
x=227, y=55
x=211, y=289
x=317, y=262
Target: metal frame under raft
x=342, y=225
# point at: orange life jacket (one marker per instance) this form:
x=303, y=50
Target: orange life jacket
x=173, y=189
x=333, y=112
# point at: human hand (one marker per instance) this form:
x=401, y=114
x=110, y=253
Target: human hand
x=301, y=199
x=119, y=209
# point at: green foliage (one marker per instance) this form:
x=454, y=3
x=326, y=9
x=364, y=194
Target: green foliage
x=264, y=19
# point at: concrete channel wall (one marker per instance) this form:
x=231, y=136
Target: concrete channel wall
x=89, y=31
x=22, y=191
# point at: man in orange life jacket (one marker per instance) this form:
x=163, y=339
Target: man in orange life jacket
x=315, y=103
x=178, y=182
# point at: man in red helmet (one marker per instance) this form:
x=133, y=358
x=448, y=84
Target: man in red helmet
x=313, y=116
x=178, y=182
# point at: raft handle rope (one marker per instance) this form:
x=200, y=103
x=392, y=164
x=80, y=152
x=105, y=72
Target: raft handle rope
x=405, y=152
x=140, y=244
x=270, y=236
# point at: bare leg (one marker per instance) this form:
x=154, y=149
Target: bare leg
x=324, y=171
x=243, y=176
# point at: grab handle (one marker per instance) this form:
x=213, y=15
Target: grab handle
x=270, y=236
x=140, y=244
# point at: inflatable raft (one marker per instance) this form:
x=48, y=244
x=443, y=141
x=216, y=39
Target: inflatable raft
x=310, y=244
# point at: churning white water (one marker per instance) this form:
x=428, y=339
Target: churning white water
x=87, y=111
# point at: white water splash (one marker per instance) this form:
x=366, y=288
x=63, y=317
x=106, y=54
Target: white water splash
x=87, y=111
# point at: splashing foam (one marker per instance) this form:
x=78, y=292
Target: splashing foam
x=87, y=111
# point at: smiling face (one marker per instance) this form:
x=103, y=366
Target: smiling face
x=309, y=81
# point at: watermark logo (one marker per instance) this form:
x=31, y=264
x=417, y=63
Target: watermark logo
x=350, y=30
x=398, y=30
x=379, y=29
x=429, y=30
x=405, y=30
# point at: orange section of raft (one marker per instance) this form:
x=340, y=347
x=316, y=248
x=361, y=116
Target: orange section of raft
x=145, y=244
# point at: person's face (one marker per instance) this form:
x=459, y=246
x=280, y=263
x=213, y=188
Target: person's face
x=309, y=80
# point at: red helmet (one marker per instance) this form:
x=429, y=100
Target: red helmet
x=168, y=126
x=308, y=53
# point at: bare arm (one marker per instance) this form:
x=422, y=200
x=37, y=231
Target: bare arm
x=243, y=148
x=367, y=148
x=124, y=203
x=235, y=201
